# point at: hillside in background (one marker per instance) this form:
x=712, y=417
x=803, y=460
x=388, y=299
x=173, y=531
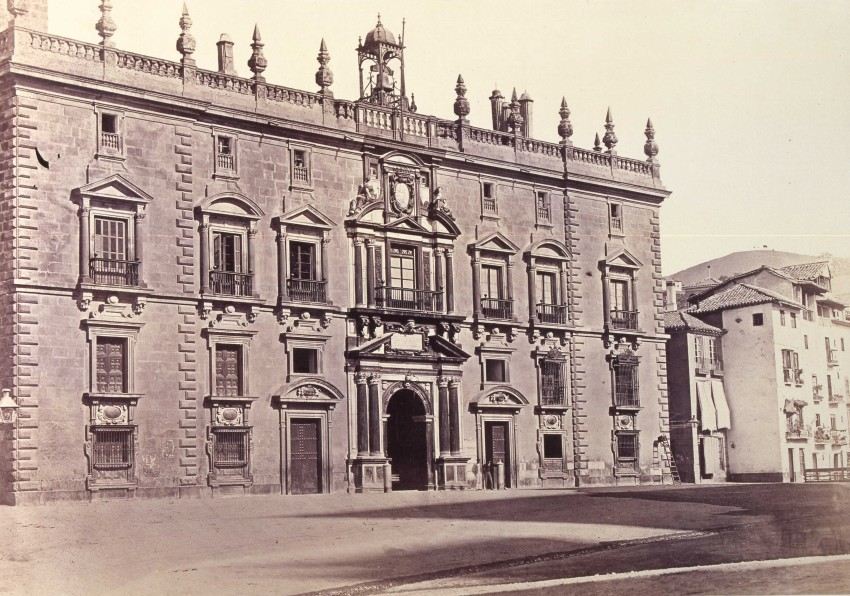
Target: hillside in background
x=747, y=260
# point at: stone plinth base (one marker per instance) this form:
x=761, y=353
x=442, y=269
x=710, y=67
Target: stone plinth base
x=372, y=474
x=451, y=472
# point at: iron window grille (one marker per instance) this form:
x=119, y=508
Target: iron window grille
x=112, y=448
x=553, y=381
x=626, y=387
x=627, y=448
x=230, y=447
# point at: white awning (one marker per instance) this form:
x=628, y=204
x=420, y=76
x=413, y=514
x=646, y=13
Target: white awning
x=707, y=414
x=710, y=455
x=724, y=419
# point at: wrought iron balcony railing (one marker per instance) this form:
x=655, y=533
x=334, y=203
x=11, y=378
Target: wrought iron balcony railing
x=230, y=283
x=497, y=308
x=409, y=299
x=114, y=272
x=305, y=290
x=624, y=319
x=552, y=313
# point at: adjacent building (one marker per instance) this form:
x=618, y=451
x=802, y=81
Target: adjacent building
x=213, y=284
x=783, y=338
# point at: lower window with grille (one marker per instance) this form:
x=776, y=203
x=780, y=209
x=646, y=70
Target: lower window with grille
x=230, y=454
x=627, y=450
x=111, y=452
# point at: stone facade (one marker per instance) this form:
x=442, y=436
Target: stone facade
x=213, y=284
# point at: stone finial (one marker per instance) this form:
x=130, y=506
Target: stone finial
x=515, y=118
x=597, y=146
x=650, y=148
x=565, y=127
x=461, y=103
x=257, y=62
x=186, y=41
x=324, y=76
x=413, y=107
x=609, y=138
x=106, y=26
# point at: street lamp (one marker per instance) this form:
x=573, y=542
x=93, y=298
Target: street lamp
x=8, y=407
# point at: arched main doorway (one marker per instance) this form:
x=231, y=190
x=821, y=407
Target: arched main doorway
x=406, y=441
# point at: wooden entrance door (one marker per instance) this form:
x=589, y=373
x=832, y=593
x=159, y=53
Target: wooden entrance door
x=497, y=446
x=306, y=460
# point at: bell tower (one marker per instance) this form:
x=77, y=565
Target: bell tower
x=381, y=61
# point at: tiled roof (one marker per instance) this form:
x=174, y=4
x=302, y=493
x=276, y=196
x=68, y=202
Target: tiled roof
x=739, y=295
x=679, y=320
x=704, y=283
x=804, y=271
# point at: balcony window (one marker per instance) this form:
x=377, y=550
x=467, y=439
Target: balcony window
x=623, y=315
x=225, y=154
x=301, y=168
x=543, y=208
x=228, y=370
x=110, y=140
x=228, y=276
x=615, y=218
x=489, y=207
x=304, y=284
x=494, y=305
x=110, y=263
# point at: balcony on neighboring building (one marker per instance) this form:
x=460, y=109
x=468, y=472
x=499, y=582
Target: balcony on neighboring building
x=624, y=320
x=114, y=272
x=794, y=432
x=409, y=299
x=229, y=283
x=839, y=437
x=304, y=290
x=497, y=308
x=555, y=314
x=817, y=396
x=706, y=364
x=822, y=435
x=836, y=397
x=832, y=357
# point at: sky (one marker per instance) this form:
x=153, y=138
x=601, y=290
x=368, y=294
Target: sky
x=750, y=99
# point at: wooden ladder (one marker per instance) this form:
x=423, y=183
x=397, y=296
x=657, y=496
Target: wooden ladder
x=668, y=459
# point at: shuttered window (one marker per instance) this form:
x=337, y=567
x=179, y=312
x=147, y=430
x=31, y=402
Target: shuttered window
x=111, y=365
x=228, y=370
x=227, y=252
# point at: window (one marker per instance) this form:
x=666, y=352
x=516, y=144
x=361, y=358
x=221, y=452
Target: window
x=791, y=372
x=112, y=448
x=305, y=361
x=543, y=208
x=758, y=319
x=817, y=420
x=230, y=447
x=228, y=271
x=806, y=342
x=829, y=386
x=842, y=344
x=302, y=260
x=109, y=140
x=620, y=296
x=833, y=422
x=111, y=365
x=782, y=318
x=228, y=370
x=627, y=448
x=615, y=218
x=495, y=371
x=626, y=388
x=698, y=355
x=225, y=155
x=553, y=380
x=493, y=304
x=546, y=288
x=303, y=236
x=488, y=200
x=712, y=350
x=110, y=263
x=301, y=167
x=403, y=267
x=553, y=447
x=793, y=320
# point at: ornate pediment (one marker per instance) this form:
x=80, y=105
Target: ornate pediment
x=407, y=224
x=306, y=217
x=502, y=397
x=117, y=188
x=306, y=393
x=622, y=258
x=495, y=242
x=413, y=343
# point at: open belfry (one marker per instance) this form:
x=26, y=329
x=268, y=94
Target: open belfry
x=213, y=284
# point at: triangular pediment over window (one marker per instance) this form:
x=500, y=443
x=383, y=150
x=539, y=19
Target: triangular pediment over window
x=307, y=216
x=115, y=187
x=407, y=224
x=622, y=258
x=495, y=242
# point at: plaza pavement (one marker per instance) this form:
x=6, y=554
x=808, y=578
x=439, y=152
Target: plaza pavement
x=371, y=543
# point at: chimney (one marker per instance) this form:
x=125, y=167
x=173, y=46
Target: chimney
x=225, y=55
x=30, y=14
x=671, y=296
x=525, y=109
x=496, y=108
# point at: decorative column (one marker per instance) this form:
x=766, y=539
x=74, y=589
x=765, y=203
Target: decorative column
x=362, y=416
x=85, y=241
x=203, y=230
x=532, y=287
x=325, y=242
x=358, y=272
x=282, y=287
x=564, y=289
x=454, y=415
x=476, y=284
x=374, y=415
x=445, y=419
x=140, y=245
x=252, y=235
x=450, y=281
x=439, y=282
x=509, y=281
x=370, y=272
x=606, y=299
